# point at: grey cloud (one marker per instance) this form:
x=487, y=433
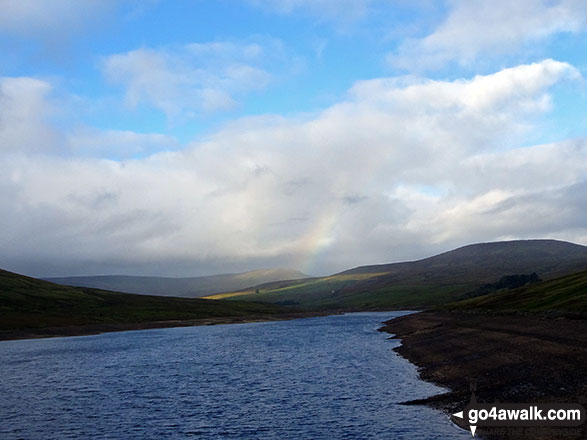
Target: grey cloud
x=551, y=214
x=99, y=200
x=50, y=19
x=354, y=199
x=294, y=186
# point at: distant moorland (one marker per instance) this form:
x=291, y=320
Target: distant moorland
x=191, y=287
x=518, y=276
x=444, y=278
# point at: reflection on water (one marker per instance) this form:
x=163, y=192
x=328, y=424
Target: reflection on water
x=331, y=377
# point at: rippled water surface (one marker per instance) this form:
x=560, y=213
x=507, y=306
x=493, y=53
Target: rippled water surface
x=331, y=377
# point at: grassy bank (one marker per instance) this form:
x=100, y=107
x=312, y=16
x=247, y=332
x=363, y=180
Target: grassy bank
x=565, y=295
x=29, y=303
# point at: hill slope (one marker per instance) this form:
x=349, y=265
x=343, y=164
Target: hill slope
x=565, y=294
x=436, y=280
x=31, y=303
x=192, y=287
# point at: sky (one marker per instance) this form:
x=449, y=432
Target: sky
x=186, y=138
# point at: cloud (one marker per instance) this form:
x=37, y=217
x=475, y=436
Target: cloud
x=522, y=193
x=30, y=114
x=486, y=28
x=194, y=78
x=25, y=113
x=401, y=169
x=117, y=144
x=58, y=17
x=460, y=114
x=558, y=212
x=56, y=32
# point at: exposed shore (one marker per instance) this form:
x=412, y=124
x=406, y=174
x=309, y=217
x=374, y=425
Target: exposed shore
x=512, y=358
x=94, y=329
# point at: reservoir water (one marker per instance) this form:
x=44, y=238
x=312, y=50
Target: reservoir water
x=332, y=377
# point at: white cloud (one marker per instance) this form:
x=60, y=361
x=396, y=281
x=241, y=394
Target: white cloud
x=25, y=113
x=475, y=29
x=28, y=118
x=195, y=78
x=117, y=144
x=401, y=169
x=459, y=114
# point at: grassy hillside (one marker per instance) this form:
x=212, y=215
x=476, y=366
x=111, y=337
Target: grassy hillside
x=565, y=294
x=31, y=303
x=192, y=287
x=432, y=281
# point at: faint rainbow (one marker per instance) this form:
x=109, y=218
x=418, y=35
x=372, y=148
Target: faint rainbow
x=318, y=237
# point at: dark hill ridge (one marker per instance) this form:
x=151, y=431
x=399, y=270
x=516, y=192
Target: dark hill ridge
x=436, y=280
x=29, y=303
x=191, y=287
x=553, y=257
x=482, y=263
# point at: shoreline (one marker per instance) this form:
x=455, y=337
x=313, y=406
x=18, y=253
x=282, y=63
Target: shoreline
x=511, y=359
x=96, y=329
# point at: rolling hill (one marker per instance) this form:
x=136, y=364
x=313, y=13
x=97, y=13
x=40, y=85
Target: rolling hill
x=436, y=280
x=31, y=303
x=192, y=287
x=446, y=278
x=565, y=294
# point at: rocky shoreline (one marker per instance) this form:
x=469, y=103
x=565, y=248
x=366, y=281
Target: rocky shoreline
x=509, y=358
